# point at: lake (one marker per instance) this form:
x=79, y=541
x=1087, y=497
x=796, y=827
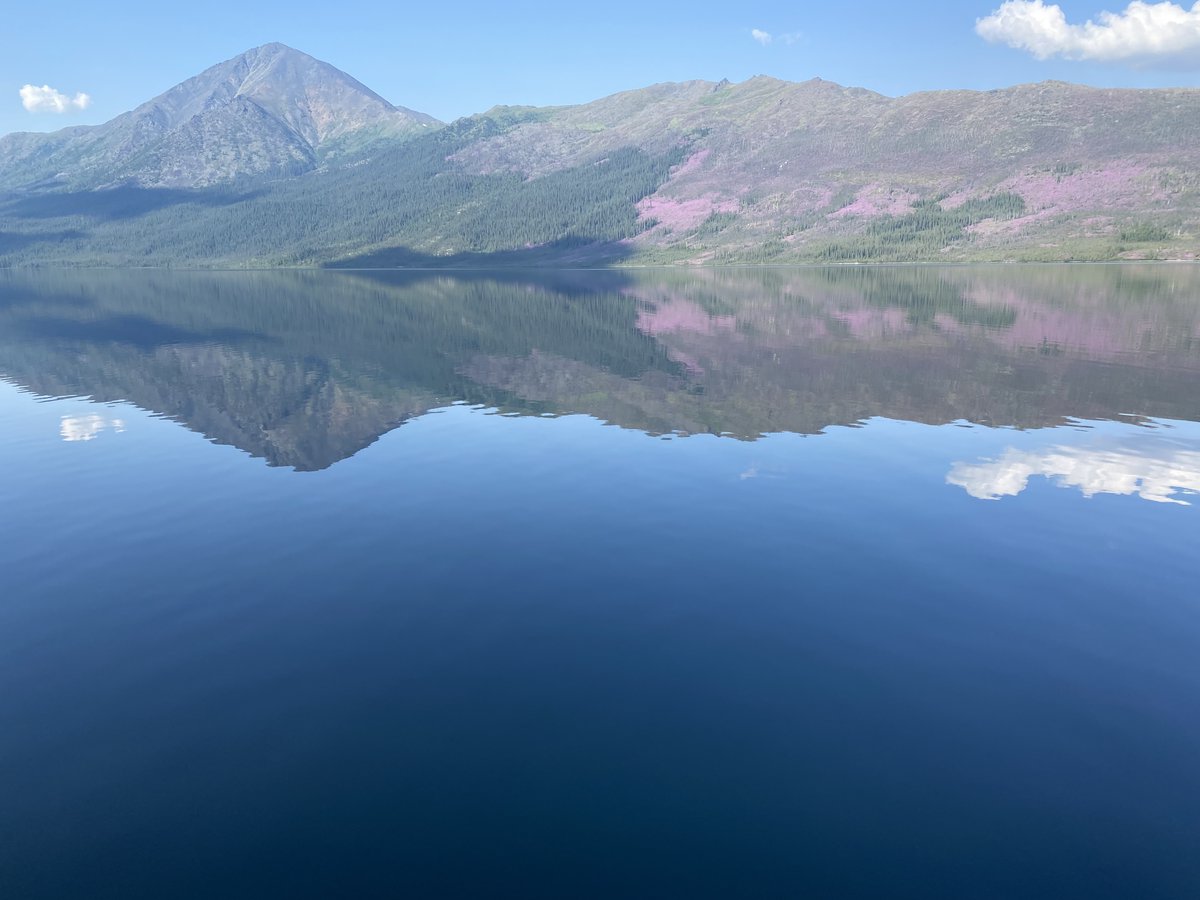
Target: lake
x=859, y=582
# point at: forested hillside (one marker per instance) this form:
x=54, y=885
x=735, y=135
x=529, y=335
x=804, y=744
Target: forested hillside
x=407, y=205
x=762, y=171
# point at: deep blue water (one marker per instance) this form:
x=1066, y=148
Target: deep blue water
x=876, y=583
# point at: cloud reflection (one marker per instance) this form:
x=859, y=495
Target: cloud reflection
x=1158, y=473
x=87, y=428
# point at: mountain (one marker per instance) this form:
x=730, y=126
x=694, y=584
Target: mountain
x=696, y=172
x=815, y=169
x=270, y=111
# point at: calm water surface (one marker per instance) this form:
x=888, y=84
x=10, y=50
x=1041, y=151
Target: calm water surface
x=780, y=583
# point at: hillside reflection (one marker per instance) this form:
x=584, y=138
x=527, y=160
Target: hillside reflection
x=304, y=369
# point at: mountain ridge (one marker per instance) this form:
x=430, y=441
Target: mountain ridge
x=278, y=158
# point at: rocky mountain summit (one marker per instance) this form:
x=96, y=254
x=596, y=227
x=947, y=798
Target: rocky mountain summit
x=270, y=111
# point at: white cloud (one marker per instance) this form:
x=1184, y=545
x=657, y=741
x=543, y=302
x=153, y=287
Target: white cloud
x=765, y=37
x=46, y=99
x=1142, y=33
x=1157, y=475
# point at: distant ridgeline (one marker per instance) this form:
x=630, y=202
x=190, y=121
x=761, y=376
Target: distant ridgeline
x=304, y=369
x=275, y=158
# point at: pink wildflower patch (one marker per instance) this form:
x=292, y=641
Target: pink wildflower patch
x=692, y=163
x=878, y=200
x=681, y=215
x=997, y=227
x=1118, y=185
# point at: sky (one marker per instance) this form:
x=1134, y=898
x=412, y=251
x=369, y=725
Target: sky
x=83, y=63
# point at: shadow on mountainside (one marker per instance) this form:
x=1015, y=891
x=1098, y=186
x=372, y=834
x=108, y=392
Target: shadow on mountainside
x=564, y=253
x=11, y=242
x=115, y=204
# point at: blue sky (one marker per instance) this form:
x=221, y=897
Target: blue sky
x=453, y=59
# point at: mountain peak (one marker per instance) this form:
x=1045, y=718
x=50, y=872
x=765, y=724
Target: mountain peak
x=312, y=96
x=275, y=47
x=264, y=54
x=269, y=110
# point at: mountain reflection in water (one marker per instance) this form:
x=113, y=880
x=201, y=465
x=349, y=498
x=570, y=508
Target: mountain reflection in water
x=304, y=369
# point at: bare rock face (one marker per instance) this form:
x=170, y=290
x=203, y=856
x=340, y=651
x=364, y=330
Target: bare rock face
x=271, y=111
